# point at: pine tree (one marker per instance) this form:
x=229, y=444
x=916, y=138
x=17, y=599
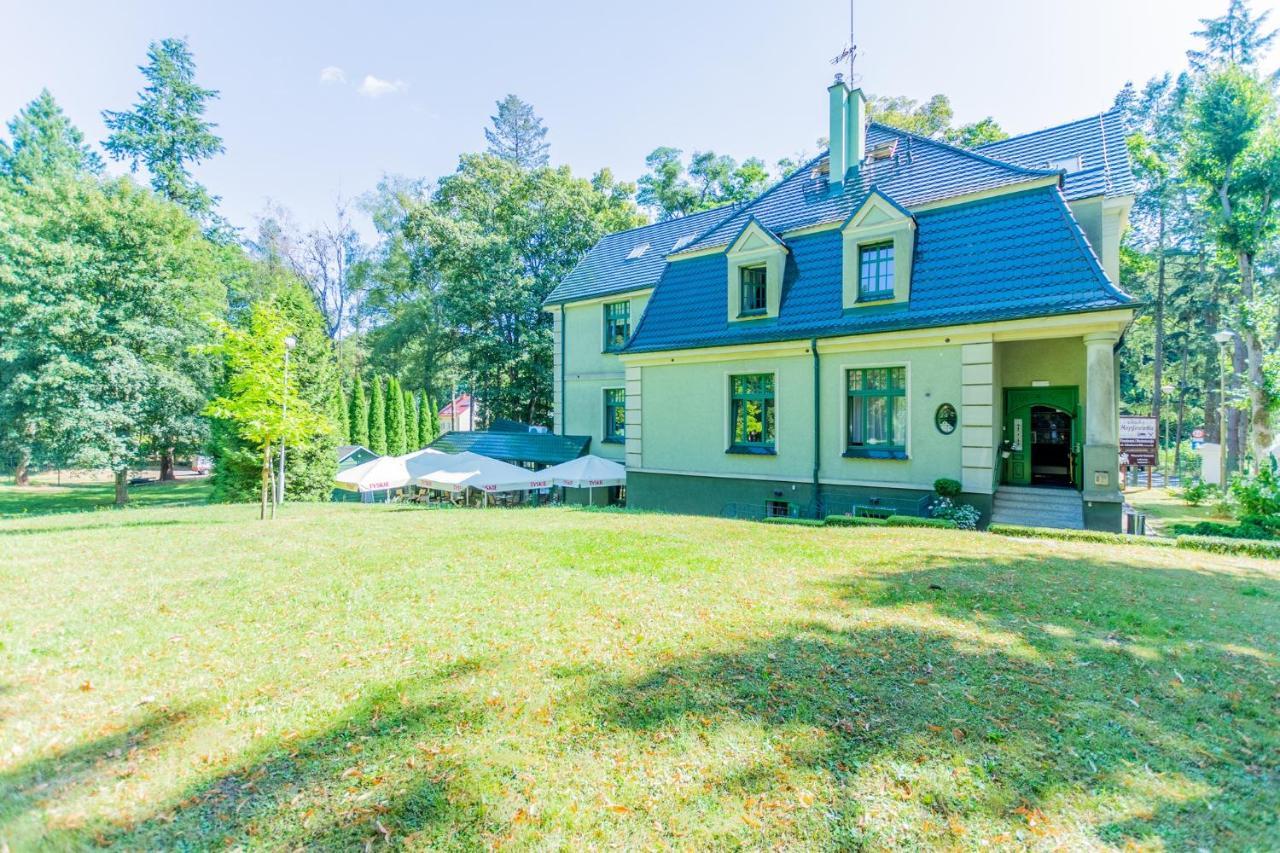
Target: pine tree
x=411, y=430
x=517, y=135
x=359, y=419
x=395, y=417
x=1237, y=38
x=378, y=419
x=44, y=142
x=166, y=131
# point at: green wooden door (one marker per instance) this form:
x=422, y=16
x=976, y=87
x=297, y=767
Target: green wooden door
x=1018, y=403
x=1017, y=468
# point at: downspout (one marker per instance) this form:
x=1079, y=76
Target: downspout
x=563, y=401
x=817, y=426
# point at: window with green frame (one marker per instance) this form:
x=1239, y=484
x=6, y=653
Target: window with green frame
x=753, y=414
x=875, y=271
x=755, y=291
x=617, y=325
x=877, y=413
x=615, y=415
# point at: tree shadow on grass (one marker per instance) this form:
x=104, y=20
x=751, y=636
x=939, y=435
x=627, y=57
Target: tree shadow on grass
x=118, y=525
x=1007, y=698
x=379, y=771
x=345, y=785
x=25, y=788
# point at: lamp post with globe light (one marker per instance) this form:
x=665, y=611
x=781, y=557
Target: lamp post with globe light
x=1223, y=337
x=289, y=343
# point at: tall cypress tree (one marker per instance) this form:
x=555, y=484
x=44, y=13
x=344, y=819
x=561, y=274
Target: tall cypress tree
x=378, y=418
x=359, y=419
x=340, y=413
x=411, y=431
x=434, y=424
x=424, y=421
x=395, y=417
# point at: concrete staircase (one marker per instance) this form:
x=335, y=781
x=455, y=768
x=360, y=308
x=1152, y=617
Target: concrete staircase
x=1038, y=506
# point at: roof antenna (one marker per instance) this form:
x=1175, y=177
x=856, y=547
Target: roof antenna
x=850, y=51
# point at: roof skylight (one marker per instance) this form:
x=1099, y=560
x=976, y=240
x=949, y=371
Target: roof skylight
x=638, y=251
x=682, y=242
x=1066, y=164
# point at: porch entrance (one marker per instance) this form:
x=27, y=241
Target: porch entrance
x=1042, y=435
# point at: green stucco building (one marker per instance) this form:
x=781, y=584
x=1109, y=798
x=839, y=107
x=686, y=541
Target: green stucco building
x=895, y=311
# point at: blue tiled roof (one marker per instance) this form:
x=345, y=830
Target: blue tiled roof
x=1099, y=142
x=607, y=269
x=921, y=171
x=1009, y=256
x=515, y=447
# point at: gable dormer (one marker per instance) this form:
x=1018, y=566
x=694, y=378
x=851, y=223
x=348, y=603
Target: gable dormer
x=879, y=243
x=757, y=261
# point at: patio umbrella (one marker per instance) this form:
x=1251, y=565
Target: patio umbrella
x=388, y=472
x=586, y=472
x=473, y=470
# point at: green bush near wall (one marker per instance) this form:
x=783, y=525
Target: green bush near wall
x=1224, y=545
x=918, y=521
x=802, y=522
x=855, y=521
x=1077, y=535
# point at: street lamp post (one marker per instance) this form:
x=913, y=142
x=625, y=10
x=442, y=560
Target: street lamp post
x=289, y=343
x=1223, y=338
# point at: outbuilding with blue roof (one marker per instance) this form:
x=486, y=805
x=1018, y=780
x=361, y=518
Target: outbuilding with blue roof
x=849, y=337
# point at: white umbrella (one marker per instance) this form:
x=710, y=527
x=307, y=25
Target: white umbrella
x=472, y=470
x=388, y=472
x=587, y=472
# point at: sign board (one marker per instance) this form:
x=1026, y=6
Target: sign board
x=1138, y=441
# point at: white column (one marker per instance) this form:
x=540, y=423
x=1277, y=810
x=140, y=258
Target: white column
x=977, y=410
x=1102, y=413
x=634, y=427
x=557, y=413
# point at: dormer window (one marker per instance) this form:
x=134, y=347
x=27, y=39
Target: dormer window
x=755, y=290
x=617, y=325
x=879, y=242
x=756, y=264
x=875, y=271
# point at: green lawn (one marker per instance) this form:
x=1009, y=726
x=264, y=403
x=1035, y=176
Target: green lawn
x=190, y=677
x=1165, y=510
x=47, y=497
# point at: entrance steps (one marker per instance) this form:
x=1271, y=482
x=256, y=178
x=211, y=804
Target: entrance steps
x=1038, y=506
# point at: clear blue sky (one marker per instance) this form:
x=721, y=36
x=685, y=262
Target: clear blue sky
x=611, y=80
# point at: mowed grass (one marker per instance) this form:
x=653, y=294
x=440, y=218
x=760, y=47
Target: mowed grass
x=353, y=675
x=47, y=496
x=1166, y=511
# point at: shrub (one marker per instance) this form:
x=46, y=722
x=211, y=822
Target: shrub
x=1267, y=522
x=1225, y=545
x=1198, y=492
x=1259, y=494
x=855, y=521
x=803, y=522
x=1243, y=530
x=947, y=488
x=965, y=516
x=1076, y=535
x=918, y=521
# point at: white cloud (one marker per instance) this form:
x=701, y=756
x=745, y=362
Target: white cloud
x=375, y=87
x=332, y=74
